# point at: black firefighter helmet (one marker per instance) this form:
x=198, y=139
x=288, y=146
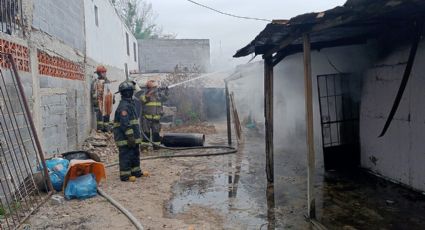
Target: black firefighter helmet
x=126, y=89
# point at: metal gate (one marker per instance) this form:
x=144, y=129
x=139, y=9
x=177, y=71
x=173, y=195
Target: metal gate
x=20, y=152
x=339, y=100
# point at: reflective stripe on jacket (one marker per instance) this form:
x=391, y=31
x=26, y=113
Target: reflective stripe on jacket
x=126, y=123
x=152, y=105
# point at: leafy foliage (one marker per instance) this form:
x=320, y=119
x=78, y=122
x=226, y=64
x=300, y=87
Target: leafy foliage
x=139, y=16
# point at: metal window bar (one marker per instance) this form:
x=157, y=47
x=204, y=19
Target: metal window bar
x=11, y=16
x=20, y=153
x=335, y=88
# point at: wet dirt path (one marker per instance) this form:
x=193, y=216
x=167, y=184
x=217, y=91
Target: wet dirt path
x=231, y=192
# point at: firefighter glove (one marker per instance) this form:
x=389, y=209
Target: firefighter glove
x=131, y=141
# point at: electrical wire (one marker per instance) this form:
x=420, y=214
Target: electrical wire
x=228, y=14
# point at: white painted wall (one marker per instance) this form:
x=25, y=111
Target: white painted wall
x=400, y=154
x=289, y=104
x=106, y=43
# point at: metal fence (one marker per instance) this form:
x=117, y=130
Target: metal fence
x=21, y=159
x=11, y=16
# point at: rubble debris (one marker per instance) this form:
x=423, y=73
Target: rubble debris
x=57, y=199
x=102, y=146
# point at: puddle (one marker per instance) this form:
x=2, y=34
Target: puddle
x=235, y=186
x=234, y=189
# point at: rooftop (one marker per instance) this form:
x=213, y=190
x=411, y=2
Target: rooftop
x=353, y=23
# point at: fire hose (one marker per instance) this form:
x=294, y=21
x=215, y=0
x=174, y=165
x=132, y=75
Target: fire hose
x=130, y=216
x=229, y=150
x=136, y=223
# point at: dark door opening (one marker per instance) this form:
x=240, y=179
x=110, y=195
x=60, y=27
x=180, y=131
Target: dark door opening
x=339, y=101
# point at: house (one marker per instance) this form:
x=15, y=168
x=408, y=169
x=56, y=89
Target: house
x=350, y=79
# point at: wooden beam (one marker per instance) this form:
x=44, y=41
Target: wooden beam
x=310, y=131
x=236, y=121
x=268, y=113
x=229, y=118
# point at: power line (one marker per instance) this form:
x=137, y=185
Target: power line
x=228, y=14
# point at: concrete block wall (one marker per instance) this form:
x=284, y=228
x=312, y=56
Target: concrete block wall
x=54, y=117
x=62, y=19
x=74, y=124
x=162, y=55
x=400, y=154
x=76, y=104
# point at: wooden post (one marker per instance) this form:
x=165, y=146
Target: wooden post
x=268, y=113
x=310, y=133
x=229, y=118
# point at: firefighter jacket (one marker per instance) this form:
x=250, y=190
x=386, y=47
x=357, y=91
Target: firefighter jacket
x=152, y=104
x=102, y=97
x=126, y=123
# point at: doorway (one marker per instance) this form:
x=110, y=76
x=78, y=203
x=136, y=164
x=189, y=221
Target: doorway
x=339, y=102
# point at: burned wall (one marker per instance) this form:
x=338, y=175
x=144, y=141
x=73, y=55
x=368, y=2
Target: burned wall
x=399, y=155
x=289, y=98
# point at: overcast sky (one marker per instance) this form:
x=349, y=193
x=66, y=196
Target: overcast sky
x=228, y=34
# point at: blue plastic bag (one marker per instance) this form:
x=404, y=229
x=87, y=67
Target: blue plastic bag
x=58, y=167
x=82, y=187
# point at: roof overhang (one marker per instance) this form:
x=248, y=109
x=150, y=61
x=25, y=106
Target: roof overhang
x=354, y=23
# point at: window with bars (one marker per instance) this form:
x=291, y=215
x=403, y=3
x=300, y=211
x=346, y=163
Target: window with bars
x=11, y=16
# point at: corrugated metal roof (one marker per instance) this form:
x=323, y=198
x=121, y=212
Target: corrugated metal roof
x=357, y=20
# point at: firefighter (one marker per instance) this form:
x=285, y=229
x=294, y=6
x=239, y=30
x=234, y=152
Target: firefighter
x=102, y=99
x=127, y=133
x=152, y=111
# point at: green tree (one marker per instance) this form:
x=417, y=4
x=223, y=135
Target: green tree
x=140, y=18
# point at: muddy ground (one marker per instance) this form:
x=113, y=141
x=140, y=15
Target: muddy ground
x=231, y=192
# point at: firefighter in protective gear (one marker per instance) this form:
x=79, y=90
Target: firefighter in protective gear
x=152, y=111
x=102, y=99
x=127, y=133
